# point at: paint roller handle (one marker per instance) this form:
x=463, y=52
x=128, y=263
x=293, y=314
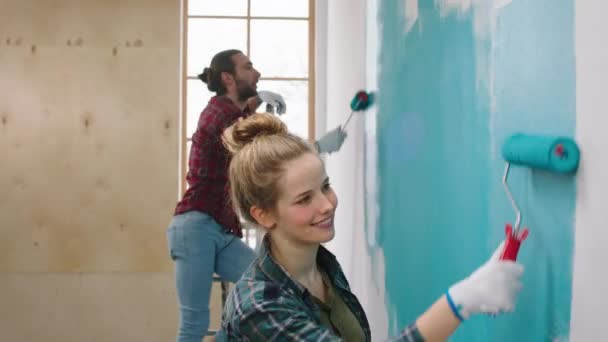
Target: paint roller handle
x=513, y=241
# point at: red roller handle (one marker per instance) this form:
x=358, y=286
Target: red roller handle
x=512, y=243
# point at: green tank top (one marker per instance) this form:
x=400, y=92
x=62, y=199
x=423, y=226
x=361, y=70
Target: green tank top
x=337, y=316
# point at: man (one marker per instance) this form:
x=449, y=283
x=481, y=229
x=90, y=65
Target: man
x=204, y=235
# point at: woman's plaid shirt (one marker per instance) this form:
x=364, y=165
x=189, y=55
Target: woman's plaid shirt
x=267, y=305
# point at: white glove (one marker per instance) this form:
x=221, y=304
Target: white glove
x=274, y=100
x=491, y=289
x=331, y=141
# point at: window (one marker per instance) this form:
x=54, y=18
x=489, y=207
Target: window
x=277, y=35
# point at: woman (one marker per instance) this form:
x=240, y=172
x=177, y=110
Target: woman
x=295, y=289
x=204, y=235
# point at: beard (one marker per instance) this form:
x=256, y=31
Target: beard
x=245, y=90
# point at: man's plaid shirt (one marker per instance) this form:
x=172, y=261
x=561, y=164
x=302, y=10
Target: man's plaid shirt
x=207, y=176
x=267, y=305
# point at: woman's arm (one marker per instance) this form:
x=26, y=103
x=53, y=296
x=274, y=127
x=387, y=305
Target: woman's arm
x=438, y=322
x=276, y=322
x=491, y=289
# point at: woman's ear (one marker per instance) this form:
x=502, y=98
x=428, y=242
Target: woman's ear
x=263, y=217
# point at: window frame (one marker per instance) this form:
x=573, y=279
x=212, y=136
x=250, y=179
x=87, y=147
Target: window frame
x=184, y=139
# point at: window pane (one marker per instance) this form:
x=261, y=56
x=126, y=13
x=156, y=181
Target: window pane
x=197, y=97
x=188, y=147
x=206, y=37
x=280, y=55
x=215, y=7
x=279, y=8
x=295, y=94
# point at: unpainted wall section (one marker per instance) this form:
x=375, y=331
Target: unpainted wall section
x=590, y=274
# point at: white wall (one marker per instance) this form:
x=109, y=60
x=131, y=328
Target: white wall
x=345, y=75
x=344, y=61
x=589, y=302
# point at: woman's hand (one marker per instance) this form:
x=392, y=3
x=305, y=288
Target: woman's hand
x=491, y=289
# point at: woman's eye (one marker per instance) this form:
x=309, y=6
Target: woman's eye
x=304, y=200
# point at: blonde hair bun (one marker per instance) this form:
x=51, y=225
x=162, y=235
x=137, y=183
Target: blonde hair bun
x=256, y=126
x=260, y=145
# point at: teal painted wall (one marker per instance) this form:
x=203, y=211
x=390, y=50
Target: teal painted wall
x=446, y=101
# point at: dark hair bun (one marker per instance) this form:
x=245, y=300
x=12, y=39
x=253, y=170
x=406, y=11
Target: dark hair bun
x=205, y=75
x=245, y=131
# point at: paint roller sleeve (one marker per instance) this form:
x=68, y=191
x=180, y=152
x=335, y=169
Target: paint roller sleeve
x=556, y=154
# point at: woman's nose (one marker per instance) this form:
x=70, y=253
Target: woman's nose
x=326, y=205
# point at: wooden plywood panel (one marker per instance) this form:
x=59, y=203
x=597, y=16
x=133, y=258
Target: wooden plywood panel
x=88, y=119
x=92, y=307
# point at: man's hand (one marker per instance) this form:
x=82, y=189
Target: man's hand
x=332, y=141
x=274, y=100
x=253, y=103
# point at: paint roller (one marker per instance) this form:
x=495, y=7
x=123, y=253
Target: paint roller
x=360, y=102
x=554, y=154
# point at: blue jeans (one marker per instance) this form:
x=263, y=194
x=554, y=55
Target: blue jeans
x=199, y=246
